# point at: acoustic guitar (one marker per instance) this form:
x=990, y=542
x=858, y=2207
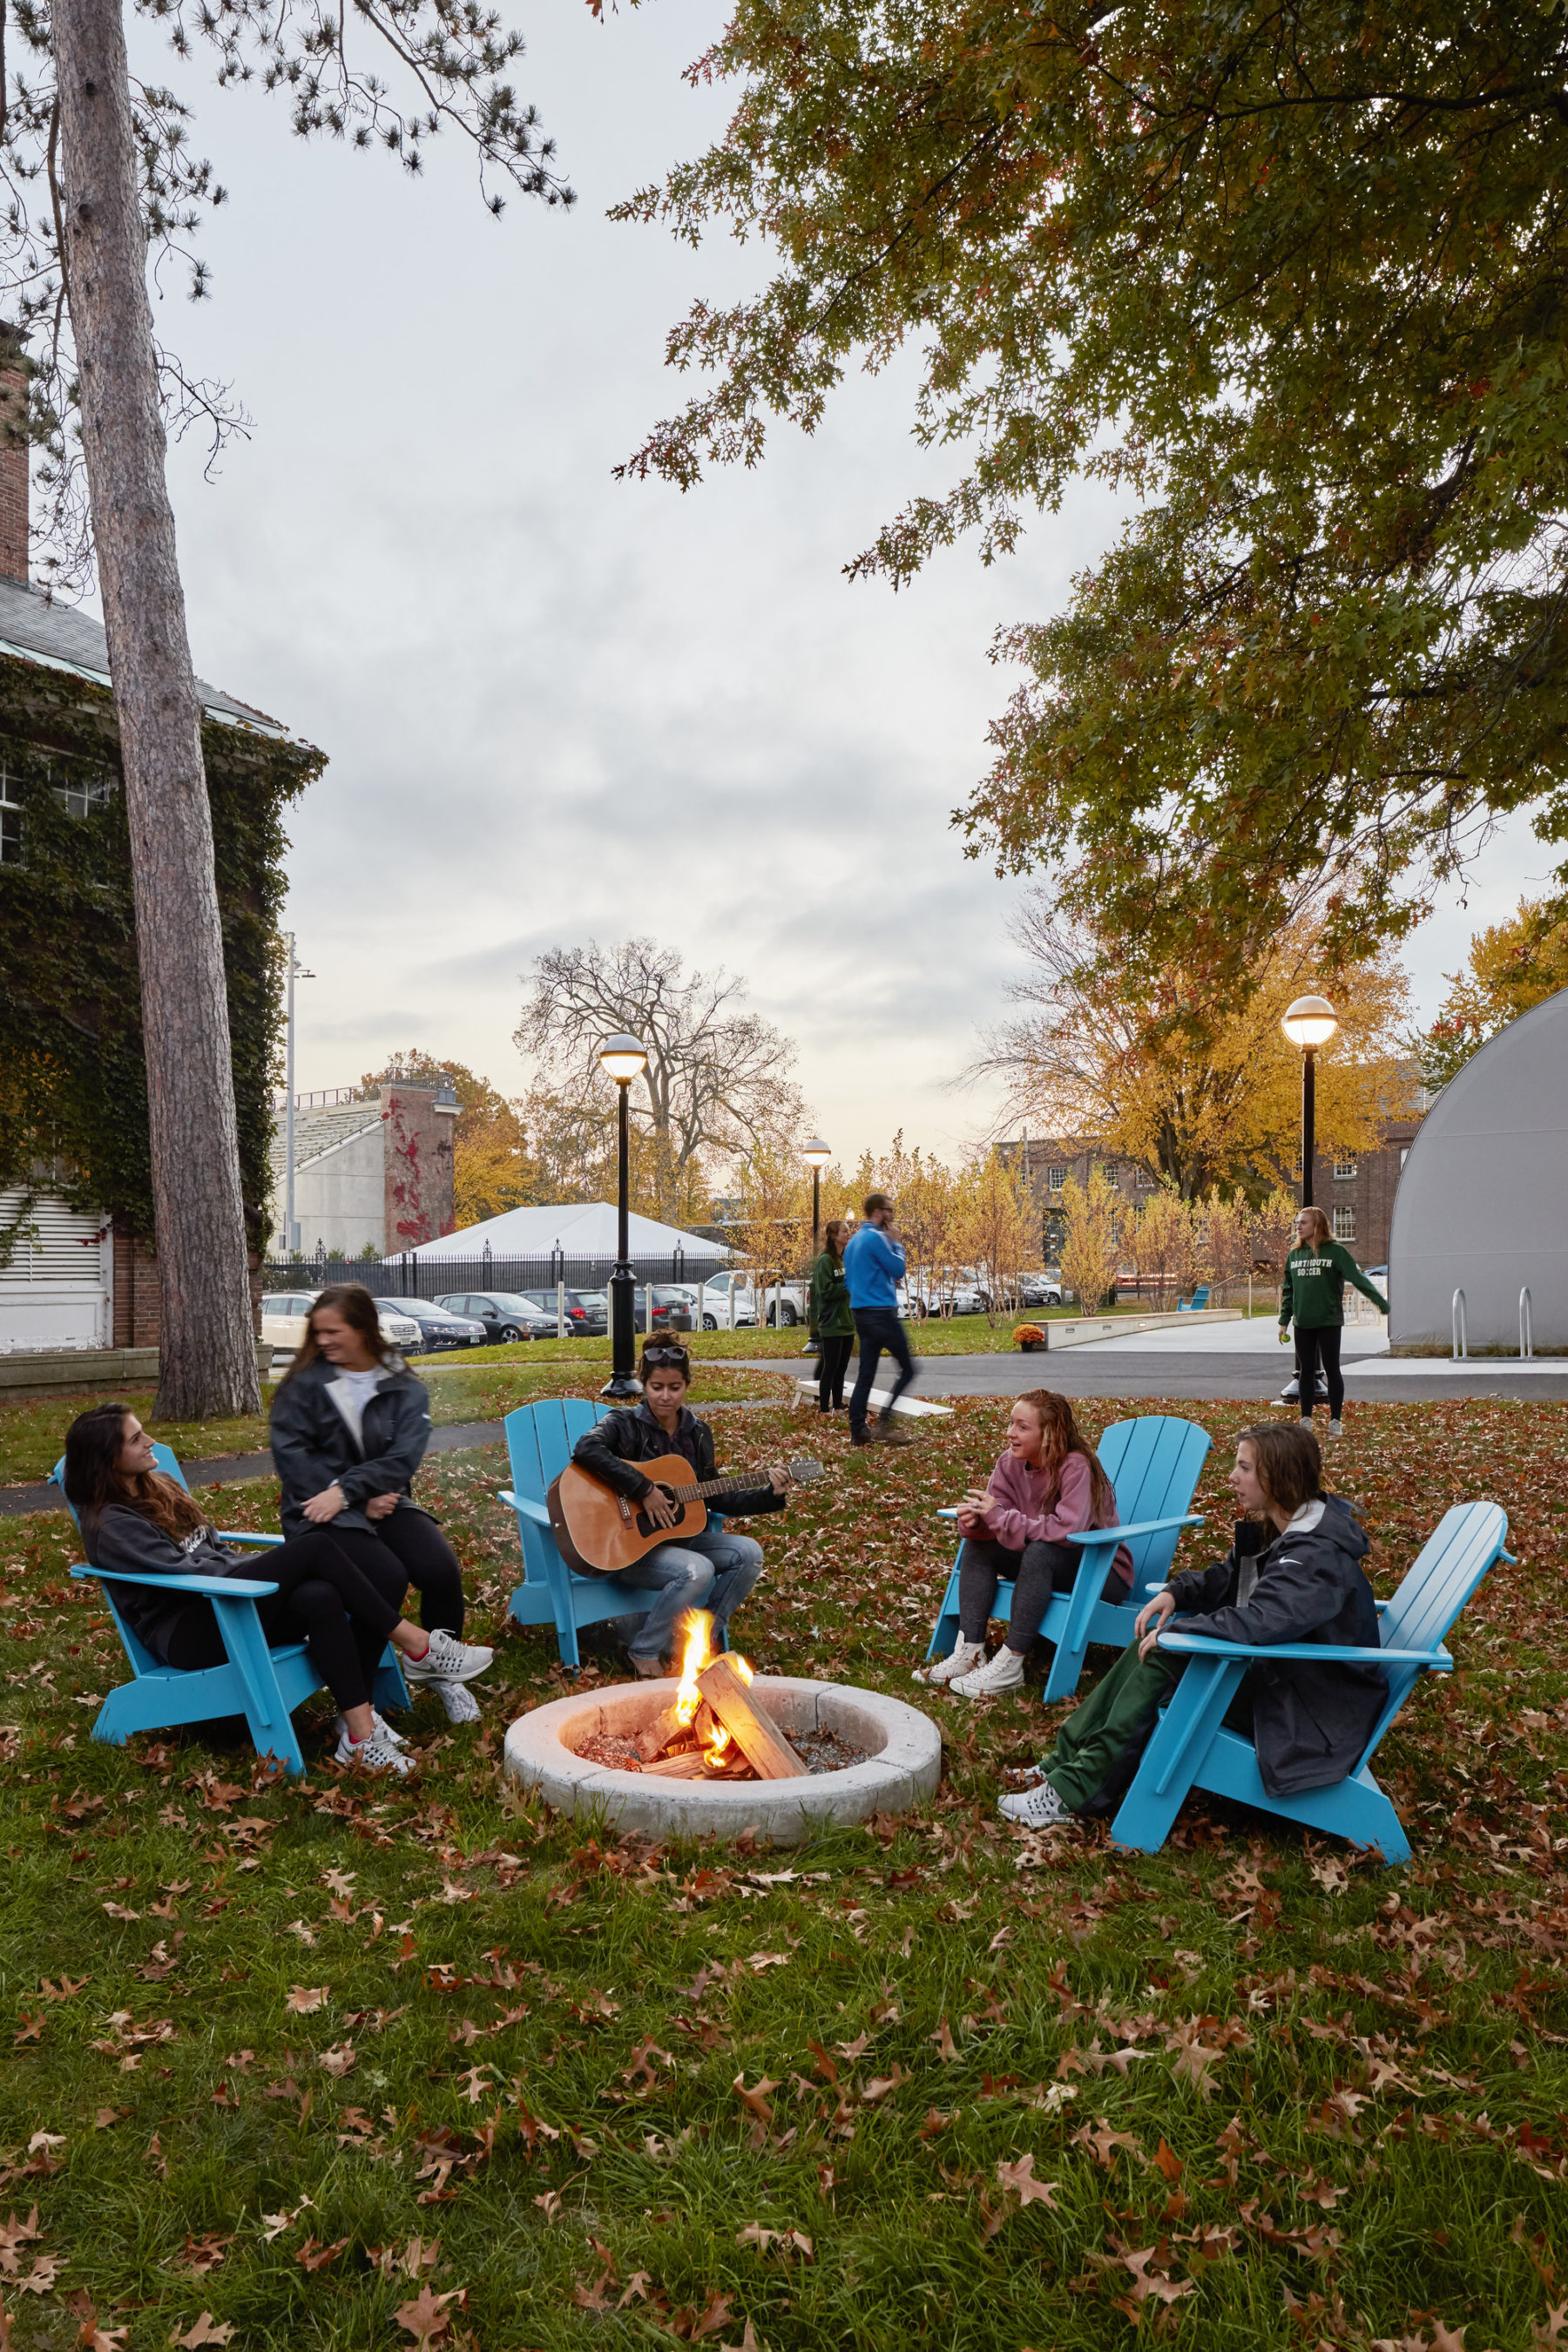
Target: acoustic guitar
x=599, y=1532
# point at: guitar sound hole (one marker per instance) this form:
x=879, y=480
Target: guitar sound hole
x=645, y=1525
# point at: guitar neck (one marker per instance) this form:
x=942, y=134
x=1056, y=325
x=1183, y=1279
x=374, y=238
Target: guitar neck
x=748, y=1482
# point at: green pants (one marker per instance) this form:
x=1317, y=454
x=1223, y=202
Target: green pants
x=1101, y=1745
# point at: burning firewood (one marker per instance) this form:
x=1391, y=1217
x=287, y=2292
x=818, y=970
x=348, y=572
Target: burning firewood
x=733, y=1734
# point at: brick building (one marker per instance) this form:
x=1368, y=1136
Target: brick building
x=1356, y=1194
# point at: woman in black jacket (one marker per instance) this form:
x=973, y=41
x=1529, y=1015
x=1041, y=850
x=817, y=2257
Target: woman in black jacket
x=350, y=1426
x=713, y=1570
x=137, y=1522
x=1294, y=1574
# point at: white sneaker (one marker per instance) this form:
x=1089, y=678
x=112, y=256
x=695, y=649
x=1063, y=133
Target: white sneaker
x=965, y=1656
x=448, y=1660
x=1004, y=1672
x=1033, y=1809
x=1336, y=1429
x=373, y=1755
x=384, y=1729
x=459, y=1700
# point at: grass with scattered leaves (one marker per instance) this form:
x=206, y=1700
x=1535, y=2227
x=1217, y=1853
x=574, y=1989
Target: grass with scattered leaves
x=333, y=2066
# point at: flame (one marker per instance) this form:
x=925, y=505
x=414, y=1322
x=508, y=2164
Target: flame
x=699, y=1652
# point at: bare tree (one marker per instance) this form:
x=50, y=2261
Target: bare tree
x=717, y=1078
x=109, y=153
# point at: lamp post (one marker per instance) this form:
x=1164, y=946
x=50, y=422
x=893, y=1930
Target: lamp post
x=291, y=1227
x=625, y=1060
x=816, y=1156
x=1308, y=1022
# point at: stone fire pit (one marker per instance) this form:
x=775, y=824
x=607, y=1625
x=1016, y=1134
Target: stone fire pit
x=902, y=1763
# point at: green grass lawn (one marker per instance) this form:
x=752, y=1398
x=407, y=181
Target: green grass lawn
x=327, y=2066
x=482, y=1386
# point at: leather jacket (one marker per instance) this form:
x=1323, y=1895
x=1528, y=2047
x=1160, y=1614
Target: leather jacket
x=614, y=1446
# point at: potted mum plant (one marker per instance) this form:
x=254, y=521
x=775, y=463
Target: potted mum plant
x=1029, y=1337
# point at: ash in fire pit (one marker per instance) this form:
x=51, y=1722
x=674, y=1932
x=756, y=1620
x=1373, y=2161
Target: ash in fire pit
x=716, y=1727
x=820, y=1751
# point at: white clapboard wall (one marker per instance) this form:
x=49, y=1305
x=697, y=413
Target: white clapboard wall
x=57, y=1291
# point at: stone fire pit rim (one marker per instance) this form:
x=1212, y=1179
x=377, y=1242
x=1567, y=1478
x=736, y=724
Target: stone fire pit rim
x=905, y=1767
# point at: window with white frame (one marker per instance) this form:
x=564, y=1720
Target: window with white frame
x=86, y=791
x=1345, y=1225
x=1343, y=1171
x=10, y=823
x=1145, y=1179
x=1112, y=1177
x=1055, y=1178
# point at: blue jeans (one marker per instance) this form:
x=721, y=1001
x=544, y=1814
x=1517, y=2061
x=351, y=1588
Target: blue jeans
x=714, y=1571
x=879, y=1329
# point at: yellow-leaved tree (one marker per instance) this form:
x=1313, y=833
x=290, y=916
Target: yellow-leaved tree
x=1512, y=966
x=995, y=1220
x=1196, y=1082
x=1091, y=1251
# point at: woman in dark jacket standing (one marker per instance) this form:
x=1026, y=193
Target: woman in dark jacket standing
x=832, y=1318
x=350, y=1426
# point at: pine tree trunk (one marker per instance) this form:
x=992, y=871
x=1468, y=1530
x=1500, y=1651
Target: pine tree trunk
x=207, y=1359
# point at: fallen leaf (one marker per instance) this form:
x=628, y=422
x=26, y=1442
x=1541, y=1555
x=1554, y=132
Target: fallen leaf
x=717, y=2316
x=946, y=2047
x=756, y=2099
x=340, y=2061
x=206, y=2331
x=304, y=2000
x=313, y=2258
x=427, y=2318
x=1019, y=2179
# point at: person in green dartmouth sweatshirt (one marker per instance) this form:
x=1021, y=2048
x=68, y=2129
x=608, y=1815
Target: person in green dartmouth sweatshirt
x=1313, y=1295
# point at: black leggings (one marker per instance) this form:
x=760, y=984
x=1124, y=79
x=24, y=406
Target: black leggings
x=1315, y=1347
x=341, y=1609
x=832, y=1364
x=426, y=1558
x=1036, y=1572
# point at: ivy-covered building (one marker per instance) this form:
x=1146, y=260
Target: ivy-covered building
x=76, y=1216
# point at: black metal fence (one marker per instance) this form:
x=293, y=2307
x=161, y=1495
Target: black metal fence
x=413, y=1277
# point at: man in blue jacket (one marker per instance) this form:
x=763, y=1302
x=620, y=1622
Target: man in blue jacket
x=873, y=1268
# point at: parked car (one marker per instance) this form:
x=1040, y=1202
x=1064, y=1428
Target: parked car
x=587, y=1311
x=668, y=1298
x=791, y=1306
x=505, y=1314
x=1037, y=1289
x=439, y=1326
x=284, y=1315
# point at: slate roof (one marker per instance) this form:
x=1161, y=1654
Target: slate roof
x=61, y=637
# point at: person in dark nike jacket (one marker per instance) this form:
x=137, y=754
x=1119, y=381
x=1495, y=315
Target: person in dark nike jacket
x=1293, y=1574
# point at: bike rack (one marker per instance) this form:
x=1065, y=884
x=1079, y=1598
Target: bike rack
x=1526, y=1329
x=1458, y=1338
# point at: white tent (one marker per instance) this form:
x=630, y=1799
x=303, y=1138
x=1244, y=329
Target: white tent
x=578, y=1229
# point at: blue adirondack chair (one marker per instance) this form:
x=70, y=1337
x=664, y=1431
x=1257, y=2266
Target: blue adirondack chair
x=1190, y=1749
x=1153, y=1463
x=265, y=1685
x=1195, y=1304
x=539, y=1441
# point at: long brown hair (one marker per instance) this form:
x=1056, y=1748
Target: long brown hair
x=353, y=1302
x=1290, y=1464
x=840, y=1225
x=1320, y=1231
x=1061, y=1436
x=93, y=1478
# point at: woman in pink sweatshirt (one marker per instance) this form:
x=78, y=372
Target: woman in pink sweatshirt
x=1047, y=1488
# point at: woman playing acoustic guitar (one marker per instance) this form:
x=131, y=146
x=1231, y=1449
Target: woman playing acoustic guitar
x=713, y=1570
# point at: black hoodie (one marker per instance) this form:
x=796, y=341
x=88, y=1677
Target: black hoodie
x=1311, y=1724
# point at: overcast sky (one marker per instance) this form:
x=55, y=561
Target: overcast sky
x=559, y=707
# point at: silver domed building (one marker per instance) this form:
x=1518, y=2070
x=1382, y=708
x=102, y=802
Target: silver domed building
x=1482, y=1204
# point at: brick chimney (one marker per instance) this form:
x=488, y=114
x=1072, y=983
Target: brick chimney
x=16, y=454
